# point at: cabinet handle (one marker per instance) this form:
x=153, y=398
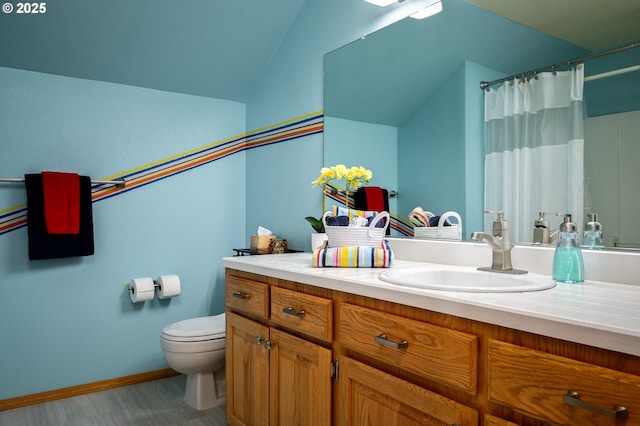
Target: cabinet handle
x=258, y=340
x=289, y=310
x=268, y=344
x=573, y=398
x=240, y=295
x=382, y=339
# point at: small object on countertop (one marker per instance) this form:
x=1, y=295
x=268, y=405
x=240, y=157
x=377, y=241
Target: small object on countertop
x=260, y=242
x=568, y=266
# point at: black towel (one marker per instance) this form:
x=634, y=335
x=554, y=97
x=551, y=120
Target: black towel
x=43, y=245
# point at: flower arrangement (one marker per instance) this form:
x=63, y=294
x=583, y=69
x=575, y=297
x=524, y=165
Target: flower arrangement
x=354, y=177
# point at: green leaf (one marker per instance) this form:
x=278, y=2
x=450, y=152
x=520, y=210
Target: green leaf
x=316, y=224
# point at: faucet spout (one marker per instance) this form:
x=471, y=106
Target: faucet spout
x=494, y=242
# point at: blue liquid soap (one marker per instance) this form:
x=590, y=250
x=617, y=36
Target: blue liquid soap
x=568, y=266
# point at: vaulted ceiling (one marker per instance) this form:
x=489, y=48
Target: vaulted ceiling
x=221, y=48
x=210, y=48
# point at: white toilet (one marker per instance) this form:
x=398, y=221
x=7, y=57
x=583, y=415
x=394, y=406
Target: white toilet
x=196, y=348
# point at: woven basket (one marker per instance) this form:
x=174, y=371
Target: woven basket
x=440, y=232
x=346, y=236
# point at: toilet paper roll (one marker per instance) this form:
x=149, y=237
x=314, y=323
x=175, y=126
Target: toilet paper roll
x=141, y=289
x=168, y=286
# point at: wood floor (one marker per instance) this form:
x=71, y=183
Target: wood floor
x=154, y=403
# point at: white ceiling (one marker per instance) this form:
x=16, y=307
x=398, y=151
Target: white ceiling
x=592, y=24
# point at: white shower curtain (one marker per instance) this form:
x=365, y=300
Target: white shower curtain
x=534, y=148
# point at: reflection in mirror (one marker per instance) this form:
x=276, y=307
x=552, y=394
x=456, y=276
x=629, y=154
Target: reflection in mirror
x=405, y=102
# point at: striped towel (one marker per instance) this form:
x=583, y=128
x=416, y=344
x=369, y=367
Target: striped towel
x=353, y=256
x=342, y=211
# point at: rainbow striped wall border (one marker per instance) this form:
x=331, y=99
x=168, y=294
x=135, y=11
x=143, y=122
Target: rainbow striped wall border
x=15, y=217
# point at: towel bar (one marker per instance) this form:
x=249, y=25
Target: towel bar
x=119, y=183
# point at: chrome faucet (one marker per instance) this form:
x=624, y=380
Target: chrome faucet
x=500, y=243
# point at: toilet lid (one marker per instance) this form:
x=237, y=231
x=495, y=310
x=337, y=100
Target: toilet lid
x=202, y=328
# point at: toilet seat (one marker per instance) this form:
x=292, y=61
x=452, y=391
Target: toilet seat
x=196, y=329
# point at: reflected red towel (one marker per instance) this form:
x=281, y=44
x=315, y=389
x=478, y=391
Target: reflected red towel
x=61, y=202
x=372, y=198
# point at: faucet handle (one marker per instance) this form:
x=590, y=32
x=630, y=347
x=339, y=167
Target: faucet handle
x=500, y=225
x=500, y=213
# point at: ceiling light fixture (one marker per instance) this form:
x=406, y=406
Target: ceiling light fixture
x=382, y=3
x=427, y=11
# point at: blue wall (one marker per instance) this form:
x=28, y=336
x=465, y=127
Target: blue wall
x=431, y=151
x=67, y=322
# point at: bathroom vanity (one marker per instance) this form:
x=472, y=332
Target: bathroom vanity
x=322, y=346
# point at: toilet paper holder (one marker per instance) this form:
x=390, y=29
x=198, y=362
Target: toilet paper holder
x=156, y=285
x=165, y=286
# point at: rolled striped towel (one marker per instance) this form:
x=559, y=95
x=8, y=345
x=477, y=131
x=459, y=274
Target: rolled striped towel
x=418, y=217
x=342, y=211
x=353, y=256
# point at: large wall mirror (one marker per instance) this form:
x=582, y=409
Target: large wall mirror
x=405, y=102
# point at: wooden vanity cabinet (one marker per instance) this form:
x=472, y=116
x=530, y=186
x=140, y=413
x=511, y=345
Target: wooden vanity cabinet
x=399, y=365
x=273, y=377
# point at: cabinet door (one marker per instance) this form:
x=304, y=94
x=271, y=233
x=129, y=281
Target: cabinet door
x=368, y=396
x=300, y=377
x=247, y=370
x=538, y=384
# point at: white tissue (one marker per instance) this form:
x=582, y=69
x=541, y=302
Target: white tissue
x=264, y=231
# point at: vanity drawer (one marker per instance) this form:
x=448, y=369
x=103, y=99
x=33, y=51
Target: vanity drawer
x=445, y=356
x=247, y=296
x=311, y=315
x=537, y=383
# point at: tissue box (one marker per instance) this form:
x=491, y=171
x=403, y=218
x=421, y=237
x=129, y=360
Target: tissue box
x=260, y=243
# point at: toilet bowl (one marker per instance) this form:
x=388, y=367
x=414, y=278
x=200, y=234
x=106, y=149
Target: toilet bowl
x=196, y=348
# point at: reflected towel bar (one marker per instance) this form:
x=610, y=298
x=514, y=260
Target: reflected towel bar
x=119, y=183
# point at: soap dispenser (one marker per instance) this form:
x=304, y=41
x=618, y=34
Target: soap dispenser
x=592, y=238
x=541, y=233
x=568, y=266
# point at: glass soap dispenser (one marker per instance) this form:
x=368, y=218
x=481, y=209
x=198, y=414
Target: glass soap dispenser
x=592, y=238
x=568, y=266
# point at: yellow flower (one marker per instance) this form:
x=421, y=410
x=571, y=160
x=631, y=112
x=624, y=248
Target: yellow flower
x=354, y=176
x=357, y=176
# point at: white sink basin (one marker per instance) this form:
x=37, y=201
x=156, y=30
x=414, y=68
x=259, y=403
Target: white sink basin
x=468, y=280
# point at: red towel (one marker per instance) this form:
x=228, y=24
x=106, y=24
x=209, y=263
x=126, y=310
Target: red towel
x=372, y=198
x=61, y=202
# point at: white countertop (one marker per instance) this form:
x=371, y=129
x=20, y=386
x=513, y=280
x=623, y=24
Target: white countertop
x=600, y=314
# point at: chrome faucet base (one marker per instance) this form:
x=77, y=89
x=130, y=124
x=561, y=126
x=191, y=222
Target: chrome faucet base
x=508, y=271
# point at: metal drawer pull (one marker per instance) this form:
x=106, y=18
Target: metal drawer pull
x=240, y=295
x=382, y=339
x=258, y=340
x=289, y=310
x=573, y=398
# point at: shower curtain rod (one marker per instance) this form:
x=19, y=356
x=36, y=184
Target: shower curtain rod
x=120, y=183
x=485, y=84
